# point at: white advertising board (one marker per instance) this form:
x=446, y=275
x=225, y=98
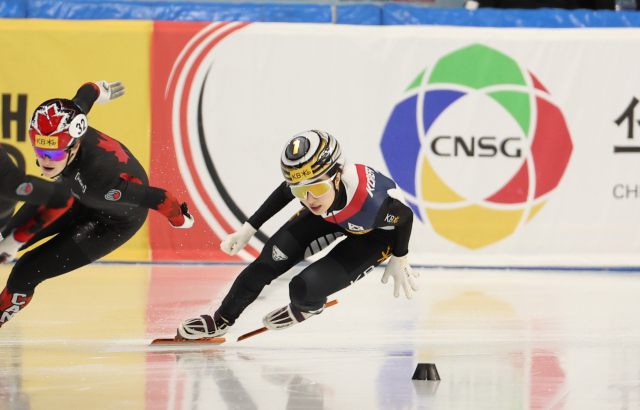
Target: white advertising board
x=514, y=147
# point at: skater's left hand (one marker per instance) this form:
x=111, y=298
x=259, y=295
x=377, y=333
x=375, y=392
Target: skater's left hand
x=403, y=275
x=108, y=91
x=9, y=247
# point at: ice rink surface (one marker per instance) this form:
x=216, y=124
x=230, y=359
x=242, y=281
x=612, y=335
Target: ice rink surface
x=501, y=340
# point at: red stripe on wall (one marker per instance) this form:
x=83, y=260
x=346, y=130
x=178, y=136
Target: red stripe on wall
x=185, y=140
x=168, y=243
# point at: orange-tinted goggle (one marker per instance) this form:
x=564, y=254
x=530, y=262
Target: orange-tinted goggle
x=317, y=190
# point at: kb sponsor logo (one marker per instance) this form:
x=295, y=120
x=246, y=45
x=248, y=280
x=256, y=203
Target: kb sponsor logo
x=477, y=145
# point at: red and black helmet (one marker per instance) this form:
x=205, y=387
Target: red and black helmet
x=57, y=125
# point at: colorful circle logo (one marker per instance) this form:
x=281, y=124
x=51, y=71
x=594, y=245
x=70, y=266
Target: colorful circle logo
x=477, y=145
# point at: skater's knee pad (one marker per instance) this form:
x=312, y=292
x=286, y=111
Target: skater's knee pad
x=257, y=275
x=24, y=279
x=298, y=292
x=21, y=286
x=54, y=258
x=23, y=283
x=298, y=289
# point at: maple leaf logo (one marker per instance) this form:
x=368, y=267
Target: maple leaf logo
x=51, y=119
x=110, y=145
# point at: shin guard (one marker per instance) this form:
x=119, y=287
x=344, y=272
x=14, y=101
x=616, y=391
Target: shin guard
x=11, y=303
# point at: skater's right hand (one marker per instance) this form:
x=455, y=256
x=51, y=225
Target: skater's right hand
x=234, y=243
x=9, y=248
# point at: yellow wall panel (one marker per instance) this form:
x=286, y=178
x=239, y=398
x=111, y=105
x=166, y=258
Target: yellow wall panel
x=45, y=59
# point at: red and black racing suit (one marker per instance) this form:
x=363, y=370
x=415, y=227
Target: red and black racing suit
x=109, y=203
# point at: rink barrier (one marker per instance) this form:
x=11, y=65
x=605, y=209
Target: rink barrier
x=90, y=10
x=402, y=14
x=620, y=269
x=363, y=14
x=13, y=9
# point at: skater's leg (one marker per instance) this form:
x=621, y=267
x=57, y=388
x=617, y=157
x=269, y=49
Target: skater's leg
x=260, y=273
x=284, y=250
x=348, y=262
x=16, y=297
x=81, y=243
x=46, y=261
x=287, y=247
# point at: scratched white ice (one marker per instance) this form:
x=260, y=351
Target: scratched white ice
x=500, y=340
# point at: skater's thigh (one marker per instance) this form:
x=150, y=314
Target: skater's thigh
x=302, y=236
x=98, y=239
x=58, y=225
x=83, y=241
x=59, y=255
x=312, y=232
x=350, y=261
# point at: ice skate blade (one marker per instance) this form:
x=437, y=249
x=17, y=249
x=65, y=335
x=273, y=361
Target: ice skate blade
x=204, y=340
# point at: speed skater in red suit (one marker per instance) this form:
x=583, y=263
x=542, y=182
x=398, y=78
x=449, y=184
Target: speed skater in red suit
x=108, y=202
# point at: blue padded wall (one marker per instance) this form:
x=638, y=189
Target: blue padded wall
x=179, y=11
x=13, y=8
x=368, y=14
x=393, y=14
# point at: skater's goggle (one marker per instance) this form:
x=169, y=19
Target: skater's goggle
x=54, y=155
x=317, y=190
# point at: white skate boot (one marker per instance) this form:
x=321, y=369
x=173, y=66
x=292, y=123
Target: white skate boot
x=204, y=326
x=286, y=317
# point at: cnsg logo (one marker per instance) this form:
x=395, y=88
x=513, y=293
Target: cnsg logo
x=477, y=145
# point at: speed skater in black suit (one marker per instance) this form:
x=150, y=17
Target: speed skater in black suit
x=339, y=199
x=109, y=201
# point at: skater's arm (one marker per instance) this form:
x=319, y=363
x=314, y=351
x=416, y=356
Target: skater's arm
x=128, y=191
x=393, y=213
x=100, y=92
x=274, y=204
x=403, y=234
x=43, y=192
x=162, y=201
x=16, y=186
x=236, y=241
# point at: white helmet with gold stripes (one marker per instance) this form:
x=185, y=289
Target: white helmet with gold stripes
x=308, y=156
